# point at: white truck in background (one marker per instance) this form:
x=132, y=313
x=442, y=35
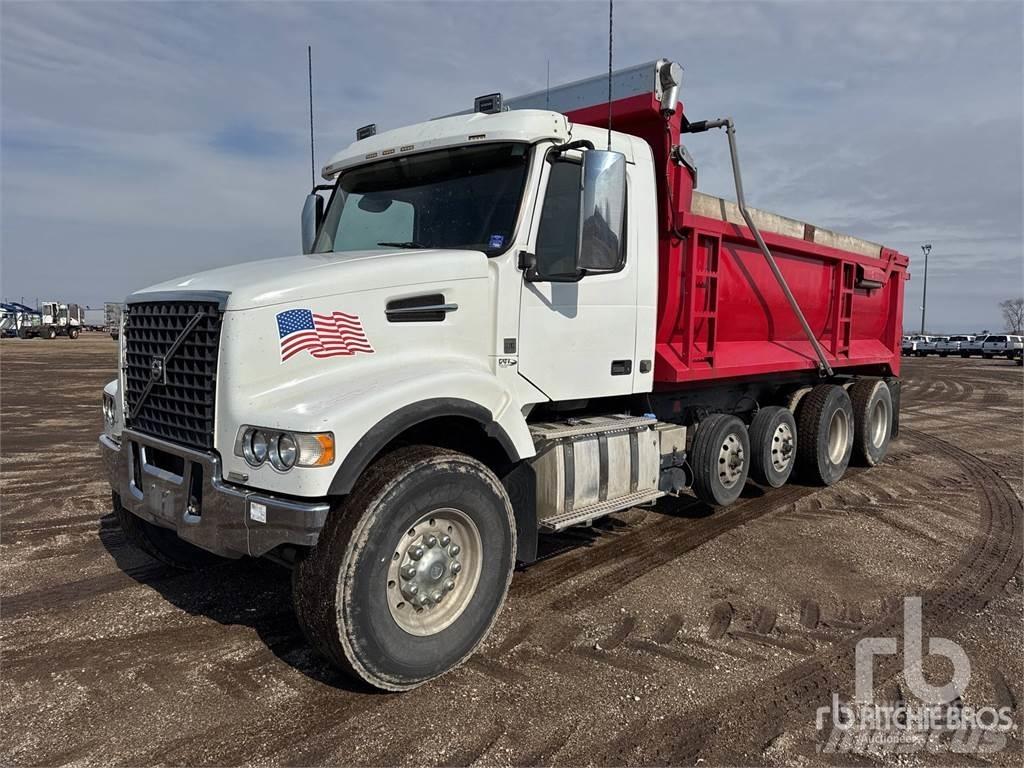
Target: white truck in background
x=54, y=319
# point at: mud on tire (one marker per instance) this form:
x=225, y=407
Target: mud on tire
x=351, y=592
x=162, y=544
x=824, y=421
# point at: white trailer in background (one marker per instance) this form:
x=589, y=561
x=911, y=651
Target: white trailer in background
x=112, y=312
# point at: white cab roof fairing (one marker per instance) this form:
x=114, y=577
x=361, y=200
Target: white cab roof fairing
x=527, y=125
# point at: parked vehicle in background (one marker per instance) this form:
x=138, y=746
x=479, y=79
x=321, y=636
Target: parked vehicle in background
x=112, y=312
x=999, y=345
x=951, y=345
x=930, y=347
x=973, y=347
x=914, y=345
x=485, y=339
x=54, y=319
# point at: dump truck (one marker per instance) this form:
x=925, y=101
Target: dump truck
x=503, y=323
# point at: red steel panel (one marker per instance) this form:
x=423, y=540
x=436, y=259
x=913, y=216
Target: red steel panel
x=721, y=313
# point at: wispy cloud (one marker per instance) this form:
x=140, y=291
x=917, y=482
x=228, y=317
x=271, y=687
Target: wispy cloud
x=145, y=140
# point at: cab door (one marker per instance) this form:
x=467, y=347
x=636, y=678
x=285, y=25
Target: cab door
x=577, y=333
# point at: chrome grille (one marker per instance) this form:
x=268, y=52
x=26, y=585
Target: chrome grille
x=179, y=403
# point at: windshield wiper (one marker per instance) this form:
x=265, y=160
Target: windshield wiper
x=406, y=244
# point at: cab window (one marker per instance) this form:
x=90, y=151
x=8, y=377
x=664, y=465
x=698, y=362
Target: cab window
x=560, y=220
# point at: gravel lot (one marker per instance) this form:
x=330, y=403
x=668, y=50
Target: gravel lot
x=664, y=636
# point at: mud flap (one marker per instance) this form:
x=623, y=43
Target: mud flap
x=521, y=487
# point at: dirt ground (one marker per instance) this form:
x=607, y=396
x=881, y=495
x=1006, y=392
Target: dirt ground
x=670, y=635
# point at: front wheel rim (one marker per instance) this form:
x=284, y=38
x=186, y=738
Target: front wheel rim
x=434, y=572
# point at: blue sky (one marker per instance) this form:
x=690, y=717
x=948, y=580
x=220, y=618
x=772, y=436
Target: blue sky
x=142, y=140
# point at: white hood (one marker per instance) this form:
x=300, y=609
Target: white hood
x=302, y=278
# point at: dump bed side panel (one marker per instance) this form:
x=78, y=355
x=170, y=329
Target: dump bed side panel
x=730, y=318
x=721, y=313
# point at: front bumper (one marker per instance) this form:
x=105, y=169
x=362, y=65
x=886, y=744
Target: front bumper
x=179, y=488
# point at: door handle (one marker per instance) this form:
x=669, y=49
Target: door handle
x=622, y=367
x=430, y=308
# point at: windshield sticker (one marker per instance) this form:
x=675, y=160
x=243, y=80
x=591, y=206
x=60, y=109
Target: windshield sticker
x=302, y=330
x=497, y=241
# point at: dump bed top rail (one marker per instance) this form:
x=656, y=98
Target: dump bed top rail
x=726, y=210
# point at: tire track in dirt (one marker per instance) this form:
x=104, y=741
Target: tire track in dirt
x=987, y=565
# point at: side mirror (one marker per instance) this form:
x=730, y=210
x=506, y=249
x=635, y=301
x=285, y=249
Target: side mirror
x=312, y=215
x=600, y=246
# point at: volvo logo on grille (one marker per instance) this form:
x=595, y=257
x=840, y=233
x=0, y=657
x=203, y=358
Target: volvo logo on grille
x=156, y=370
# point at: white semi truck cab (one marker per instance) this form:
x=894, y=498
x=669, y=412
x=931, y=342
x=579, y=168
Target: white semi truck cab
x=461, y=359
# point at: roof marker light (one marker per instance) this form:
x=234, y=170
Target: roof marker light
x=488, y=105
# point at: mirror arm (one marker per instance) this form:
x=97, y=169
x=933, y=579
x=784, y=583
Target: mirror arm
x=528, y=263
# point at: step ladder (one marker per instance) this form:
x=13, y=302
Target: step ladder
x=842, y=324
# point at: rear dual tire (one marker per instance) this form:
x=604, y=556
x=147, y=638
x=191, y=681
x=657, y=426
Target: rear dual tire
x=825, y=424
x=872, y=419
x=354, y=594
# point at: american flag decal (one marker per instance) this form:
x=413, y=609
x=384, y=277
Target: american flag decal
x=302, y=330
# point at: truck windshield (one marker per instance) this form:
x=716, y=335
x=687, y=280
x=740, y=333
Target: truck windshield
x=460, y=197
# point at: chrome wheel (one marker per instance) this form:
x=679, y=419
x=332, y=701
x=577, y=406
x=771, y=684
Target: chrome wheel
x=730, y=461
x=838, y=436
x=879, y=423
x=434, y=572
x=782, y=447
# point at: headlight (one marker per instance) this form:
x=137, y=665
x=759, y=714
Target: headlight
x=108, y=409
x=284, y=450
x=255, y=446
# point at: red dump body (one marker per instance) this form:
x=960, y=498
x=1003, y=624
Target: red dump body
x=721, y=312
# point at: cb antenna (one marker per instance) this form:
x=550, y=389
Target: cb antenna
x=312, y=161
x=611, y=14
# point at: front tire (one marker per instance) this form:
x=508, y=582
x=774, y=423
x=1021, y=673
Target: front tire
x=721, y=451
x=73, y=333
x=773, y=442
x=411, y=570
x=825, y=425
x=50, y=333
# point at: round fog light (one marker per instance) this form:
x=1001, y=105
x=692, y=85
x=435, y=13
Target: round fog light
x=284, y=452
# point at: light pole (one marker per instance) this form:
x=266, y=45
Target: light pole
x=926, y=248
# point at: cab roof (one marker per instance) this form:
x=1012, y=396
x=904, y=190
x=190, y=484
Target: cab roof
x=526, y=125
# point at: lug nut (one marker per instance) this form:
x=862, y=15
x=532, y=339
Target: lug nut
x=449, y=585
x=411, y=589
x=453, y=550
x=455, y=567
x=446, y=540
x=408, y=571
x=436, y=597
x=430, y=541
x=416, y=553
